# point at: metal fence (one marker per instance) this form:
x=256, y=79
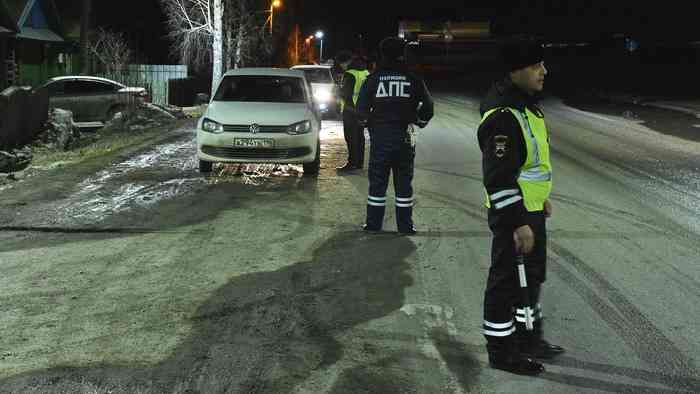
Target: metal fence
x=152, y=77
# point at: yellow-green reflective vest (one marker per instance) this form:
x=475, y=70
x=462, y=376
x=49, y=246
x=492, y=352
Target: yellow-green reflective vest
x=535, y=177
x=360, y=77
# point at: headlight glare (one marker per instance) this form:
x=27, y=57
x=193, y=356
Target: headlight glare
x=323, y=95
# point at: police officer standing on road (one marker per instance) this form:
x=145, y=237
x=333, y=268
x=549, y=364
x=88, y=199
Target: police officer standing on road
x=353, y=78
x=518, y=180
x=391, y=100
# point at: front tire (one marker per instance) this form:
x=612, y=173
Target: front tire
x=205, y=166
x=314, y=167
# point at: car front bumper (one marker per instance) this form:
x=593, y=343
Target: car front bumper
x=287, y=149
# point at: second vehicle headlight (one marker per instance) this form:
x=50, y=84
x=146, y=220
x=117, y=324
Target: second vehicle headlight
x=300, y=128
x=323, y=95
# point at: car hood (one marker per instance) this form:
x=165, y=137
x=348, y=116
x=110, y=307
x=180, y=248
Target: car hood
x=271, y=114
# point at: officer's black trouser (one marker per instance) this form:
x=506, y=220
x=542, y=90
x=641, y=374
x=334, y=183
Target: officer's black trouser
x=396, y=157
x=504, y=313
x=354, y=138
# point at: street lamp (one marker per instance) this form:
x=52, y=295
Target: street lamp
x=273, y=5
x=319, y=35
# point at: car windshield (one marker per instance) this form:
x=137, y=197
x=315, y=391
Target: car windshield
x=318, y=75
x=261, y=88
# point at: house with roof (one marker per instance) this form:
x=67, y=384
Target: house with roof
x=33, y=42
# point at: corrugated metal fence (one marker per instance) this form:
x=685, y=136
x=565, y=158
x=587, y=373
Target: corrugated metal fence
x=152, y=77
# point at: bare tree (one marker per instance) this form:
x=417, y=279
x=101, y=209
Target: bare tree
x=247, y=42
x=196, y=31
x=84, y=31
x=109, y=49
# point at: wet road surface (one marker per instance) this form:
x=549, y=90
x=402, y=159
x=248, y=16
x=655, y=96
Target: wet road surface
x=145, y=276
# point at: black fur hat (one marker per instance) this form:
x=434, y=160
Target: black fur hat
x=392, y=48
x=519, y=53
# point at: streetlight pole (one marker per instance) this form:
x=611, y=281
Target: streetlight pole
x=319, y=35
x=273, y=5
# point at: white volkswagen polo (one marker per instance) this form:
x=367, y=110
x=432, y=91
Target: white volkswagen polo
x=261, y=115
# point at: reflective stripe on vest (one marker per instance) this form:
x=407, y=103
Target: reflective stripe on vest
x=360, y=77
x=535, y=178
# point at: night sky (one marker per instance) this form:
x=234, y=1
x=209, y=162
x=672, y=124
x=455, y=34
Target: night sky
x=345, y=21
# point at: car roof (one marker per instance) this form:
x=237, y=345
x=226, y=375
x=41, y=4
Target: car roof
x=303, y=66
x=262, y=71
x=85, y=78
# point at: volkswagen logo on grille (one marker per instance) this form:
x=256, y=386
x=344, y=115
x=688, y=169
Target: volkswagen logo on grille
x=255, y=128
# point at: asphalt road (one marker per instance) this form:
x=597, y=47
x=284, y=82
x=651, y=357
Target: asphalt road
x=143, y=276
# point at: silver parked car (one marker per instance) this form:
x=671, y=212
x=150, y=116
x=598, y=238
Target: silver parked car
x=92, y=99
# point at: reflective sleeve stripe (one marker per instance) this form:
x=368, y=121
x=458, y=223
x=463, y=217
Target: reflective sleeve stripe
x=404, y=199
x=535, y=175
x=503, y=193
x=499, y=333
x=404, y=205
x=507, y=202
x=498, y=325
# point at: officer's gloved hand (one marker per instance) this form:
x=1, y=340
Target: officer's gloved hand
x=421, y=123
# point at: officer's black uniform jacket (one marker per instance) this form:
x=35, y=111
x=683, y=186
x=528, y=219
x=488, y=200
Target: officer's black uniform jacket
x=503, y=148
x=389, y=101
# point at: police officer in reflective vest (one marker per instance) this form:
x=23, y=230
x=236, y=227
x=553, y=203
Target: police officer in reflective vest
x=518, y=179
x=391, y=101
x=353, y=78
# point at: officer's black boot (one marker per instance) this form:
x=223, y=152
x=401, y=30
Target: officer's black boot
x=504, y=355
x=533, y=344
x=404, y=218
x=375, y=218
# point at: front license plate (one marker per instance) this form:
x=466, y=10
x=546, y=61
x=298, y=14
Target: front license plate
x=253, y=143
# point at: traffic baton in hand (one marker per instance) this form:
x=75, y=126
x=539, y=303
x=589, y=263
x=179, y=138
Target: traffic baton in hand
x=525, y=294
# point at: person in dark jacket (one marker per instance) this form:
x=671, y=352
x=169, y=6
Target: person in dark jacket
x=355, y=73
x=390, y=102
x=517, y=178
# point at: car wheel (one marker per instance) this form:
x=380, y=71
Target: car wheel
x=114, y=111
x=205, y=166
x=314, y=167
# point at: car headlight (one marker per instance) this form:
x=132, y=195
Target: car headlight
x=323, y=95
x=210, y=126
x=300, y=128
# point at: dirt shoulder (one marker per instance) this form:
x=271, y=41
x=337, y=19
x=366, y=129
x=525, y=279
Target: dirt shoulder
x=52, y=170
